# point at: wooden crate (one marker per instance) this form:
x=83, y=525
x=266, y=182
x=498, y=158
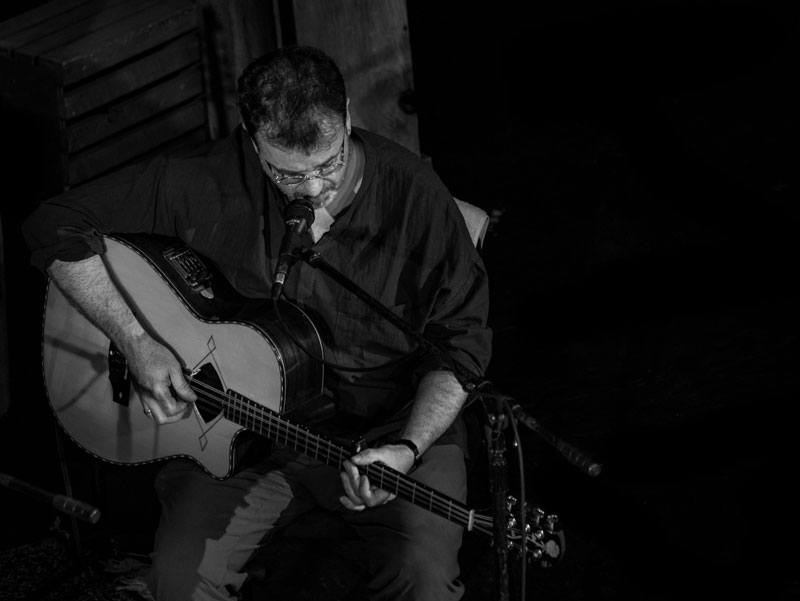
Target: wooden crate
x=104, y=83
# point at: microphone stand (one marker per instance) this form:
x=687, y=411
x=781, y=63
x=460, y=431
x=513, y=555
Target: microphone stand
x=498, y=419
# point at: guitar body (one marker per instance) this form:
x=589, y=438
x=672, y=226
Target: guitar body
x=195, y=313
x=250, y=377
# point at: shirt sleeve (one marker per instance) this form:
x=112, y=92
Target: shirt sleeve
x=70, y=226
x=458, y=322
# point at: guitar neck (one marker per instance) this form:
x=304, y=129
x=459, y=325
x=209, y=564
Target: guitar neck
x=261, y=420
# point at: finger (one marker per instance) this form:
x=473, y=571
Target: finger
x=372, y=496
x=350, y=505
x=172, y=408
x=153, y=411
x=354, y=501
x=365, y=457
x=150, y=405
x=181, y=387
x=364, y=489
x=161, y=411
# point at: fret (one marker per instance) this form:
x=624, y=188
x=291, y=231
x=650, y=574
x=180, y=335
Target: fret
x=257, y=418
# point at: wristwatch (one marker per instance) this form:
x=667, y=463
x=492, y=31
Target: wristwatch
x=414, y=449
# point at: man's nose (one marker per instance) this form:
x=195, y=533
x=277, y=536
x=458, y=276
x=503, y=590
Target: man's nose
x=313, y=187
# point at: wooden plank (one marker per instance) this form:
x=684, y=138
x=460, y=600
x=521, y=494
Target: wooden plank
x=184, y=86
x=105, y=157
x=123, y=41
x=81, y=13
x=176, y=55
x=81, y=23
x=36, y=17
x=370, y=42
x=190, y=140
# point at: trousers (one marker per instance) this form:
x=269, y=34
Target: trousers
x=209, y=528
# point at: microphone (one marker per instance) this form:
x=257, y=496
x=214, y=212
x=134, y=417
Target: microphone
x=572, y=454
x=63, y=503
x=298, y=218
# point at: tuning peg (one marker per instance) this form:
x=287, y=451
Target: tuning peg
x=511, y=501
x=535, y=516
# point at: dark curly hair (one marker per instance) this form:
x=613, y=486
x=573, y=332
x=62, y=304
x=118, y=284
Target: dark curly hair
x=291, y=95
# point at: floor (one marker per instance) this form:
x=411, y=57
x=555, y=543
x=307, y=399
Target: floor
x=641, y=252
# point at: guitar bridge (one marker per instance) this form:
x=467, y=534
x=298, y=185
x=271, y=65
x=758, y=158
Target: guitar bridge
x=190, y=268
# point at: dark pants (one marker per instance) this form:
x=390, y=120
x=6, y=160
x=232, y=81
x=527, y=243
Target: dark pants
x=210, y=528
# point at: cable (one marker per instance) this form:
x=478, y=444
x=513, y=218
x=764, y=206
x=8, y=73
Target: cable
x=522, y=502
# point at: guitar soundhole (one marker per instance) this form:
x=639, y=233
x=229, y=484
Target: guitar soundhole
x=208, y=388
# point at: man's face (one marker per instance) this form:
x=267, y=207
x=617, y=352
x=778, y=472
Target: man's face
x=313, y=177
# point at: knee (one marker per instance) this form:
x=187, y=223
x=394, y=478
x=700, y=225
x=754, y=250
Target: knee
x=170, y=579
x=417, y=569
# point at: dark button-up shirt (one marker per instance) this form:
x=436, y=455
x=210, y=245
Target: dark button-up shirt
x=402, y=240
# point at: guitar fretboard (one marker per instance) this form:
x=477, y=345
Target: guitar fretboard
x=259, y=419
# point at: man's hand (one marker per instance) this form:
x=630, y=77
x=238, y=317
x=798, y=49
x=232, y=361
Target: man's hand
x=359, y=493
x=158, y=374
x=155, y=369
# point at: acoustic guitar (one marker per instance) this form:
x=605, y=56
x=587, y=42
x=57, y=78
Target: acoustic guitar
x=249, y=375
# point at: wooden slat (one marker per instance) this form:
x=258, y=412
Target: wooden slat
x=83, y=22
x=191, y=140
x=184, y=86
x=124, y=147
x=36, y=18
x=173, y=57
x=122, y=41
x=21, y=40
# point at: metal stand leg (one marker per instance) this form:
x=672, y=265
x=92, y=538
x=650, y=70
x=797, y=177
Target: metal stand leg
x=77, y=547
x=495, y=436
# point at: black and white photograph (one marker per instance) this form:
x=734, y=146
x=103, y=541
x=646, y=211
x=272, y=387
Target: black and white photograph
x=395, y=300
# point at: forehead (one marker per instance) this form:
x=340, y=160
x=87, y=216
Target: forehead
x=289, y=160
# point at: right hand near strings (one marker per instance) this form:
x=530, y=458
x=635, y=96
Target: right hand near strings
x=165, y=394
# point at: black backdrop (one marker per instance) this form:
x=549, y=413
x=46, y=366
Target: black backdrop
x=639, y=162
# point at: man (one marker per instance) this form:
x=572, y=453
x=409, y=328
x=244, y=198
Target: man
x=383, y=219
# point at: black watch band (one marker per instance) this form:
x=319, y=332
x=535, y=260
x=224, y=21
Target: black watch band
x=414, y=449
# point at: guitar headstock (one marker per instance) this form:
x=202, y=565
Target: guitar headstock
x=544, y=539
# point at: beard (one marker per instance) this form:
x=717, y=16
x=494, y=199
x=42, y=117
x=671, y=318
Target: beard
x=321, y=200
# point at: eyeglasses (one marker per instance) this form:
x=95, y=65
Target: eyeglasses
x=296, y=180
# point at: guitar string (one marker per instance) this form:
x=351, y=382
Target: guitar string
x=445, y=507
x=289, y=431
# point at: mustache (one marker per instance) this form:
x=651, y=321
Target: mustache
x=314, y=200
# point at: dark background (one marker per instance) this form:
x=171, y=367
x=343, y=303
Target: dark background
x=639, y=162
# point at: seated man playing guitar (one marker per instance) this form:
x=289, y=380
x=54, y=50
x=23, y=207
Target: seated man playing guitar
x=371, y=209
